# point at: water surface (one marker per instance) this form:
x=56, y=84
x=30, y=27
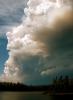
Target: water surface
x=23, y=96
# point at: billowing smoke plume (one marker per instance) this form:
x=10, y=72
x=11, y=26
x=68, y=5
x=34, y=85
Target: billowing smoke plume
x=43, y=43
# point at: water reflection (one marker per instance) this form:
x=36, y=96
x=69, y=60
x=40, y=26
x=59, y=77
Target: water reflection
x=8, y=96
x=23, y=96
x=28, y=96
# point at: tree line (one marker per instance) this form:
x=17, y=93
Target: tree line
x=61, y=84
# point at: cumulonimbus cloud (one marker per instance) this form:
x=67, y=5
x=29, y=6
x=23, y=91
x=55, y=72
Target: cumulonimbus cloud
x=47, y=25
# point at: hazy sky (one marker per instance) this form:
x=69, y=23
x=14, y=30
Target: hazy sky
x=11, y=12
x=40, y=41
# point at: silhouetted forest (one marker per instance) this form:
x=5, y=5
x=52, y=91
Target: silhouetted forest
x=63, y=84
x=59, y=85
x=7, y=86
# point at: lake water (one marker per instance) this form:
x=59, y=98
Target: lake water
x=28, y=96
x=23, y=96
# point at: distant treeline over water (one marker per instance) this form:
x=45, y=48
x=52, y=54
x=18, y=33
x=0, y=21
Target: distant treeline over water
x=58, y=85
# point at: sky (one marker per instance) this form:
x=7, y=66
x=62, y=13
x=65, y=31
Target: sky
x=36, y=40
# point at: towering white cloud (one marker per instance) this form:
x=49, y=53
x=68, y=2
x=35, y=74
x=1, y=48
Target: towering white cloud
x=33, y=43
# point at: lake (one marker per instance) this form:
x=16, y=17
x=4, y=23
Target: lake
x=23, y=96
x=28, y=96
